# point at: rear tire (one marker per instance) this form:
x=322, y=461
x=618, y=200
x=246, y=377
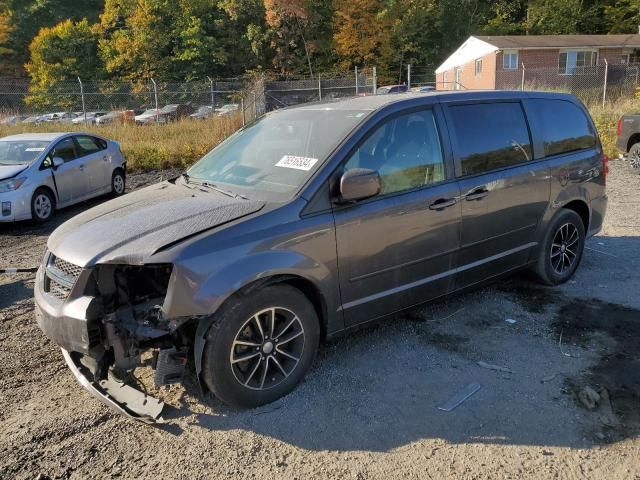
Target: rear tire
x=118, y=182
x=42, y=205
x=634, y=155
x=260, y=346
x=561, y=249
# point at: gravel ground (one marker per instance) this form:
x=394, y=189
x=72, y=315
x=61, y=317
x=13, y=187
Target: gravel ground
x=368, y=408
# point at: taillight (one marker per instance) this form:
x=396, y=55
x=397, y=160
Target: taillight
x=619, y=131
x=605, y=166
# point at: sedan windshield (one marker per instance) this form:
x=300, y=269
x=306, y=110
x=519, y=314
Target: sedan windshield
x=275, y=156
x=16, y=152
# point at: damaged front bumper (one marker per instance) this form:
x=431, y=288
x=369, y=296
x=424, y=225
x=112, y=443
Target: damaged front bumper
x=102, y=345
x=118, y=396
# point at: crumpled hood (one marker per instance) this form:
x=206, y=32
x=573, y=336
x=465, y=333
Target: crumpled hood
x=8, y=171
x=131, y=228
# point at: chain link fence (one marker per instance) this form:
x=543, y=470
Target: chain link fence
x=252, y=96
x=592, y=84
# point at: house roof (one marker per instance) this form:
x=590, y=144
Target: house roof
x=561, y=41
x=478, y=46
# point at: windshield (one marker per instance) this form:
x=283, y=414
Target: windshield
x=16, y=152
x=272, y=158
x=169, y=108
x=151, y=111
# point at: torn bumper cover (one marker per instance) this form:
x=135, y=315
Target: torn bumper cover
x=118, y=396
x=103, y=319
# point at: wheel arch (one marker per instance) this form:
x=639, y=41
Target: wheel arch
x=307, y=287
x=582, y=209
x=633, y=139
x=48, y=189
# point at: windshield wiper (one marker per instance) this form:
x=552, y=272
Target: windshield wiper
x=212, y=186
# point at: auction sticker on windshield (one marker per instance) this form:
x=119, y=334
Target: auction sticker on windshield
x=299, y=163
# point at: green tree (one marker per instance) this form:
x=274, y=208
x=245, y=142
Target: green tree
x=58, y=55
x=623, y=17
x=22, y=19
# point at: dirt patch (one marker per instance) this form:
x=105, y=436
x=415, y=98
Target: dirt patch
x=583, y=322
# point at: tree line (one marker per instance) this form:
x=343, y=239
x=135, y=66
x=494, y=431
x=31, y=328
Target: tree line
x=55, y=41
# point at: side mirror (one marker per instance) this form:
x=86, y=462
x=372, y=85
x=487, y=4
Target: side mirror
x=359, y=183
x=57, y=161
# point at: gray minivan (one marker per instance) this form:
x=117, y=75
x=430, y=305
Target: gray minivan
x=311, y=221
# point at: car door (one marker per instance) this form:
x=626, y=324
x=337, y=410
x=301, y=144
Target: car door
x=69, y=177
x=94, y=156
x=397, y=249
x=504, y=189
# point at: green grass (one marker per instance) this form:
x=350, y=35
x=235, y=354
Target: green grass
x=153, y=147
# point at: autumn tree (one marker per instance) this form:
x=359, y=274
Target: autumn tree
x=362, y=33
x=59, y=55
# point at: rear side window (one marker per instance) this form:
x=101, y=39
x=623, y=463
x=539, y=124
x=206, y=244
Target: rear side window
x=490, y=136
x=88, y=145
x=565, y=126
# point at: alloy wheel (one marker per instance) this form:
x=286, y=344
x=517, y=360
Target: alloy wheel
x=267, y=348
x=42, y=206
x=564, y=248
x=118, y=184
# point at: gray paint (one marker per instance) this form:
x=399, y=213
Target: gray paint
x=366, y=259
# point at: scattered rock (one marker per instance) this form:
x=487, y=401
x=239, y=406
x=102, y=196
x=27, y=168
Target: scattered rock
x=497, y=368
x=589, y=397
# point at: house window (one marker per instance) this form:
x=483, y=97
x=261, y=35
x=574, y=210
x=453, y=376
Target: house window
x=445, y=81
x=478, y=66
x=510, y=60
x=572, y=62
x=458, y=72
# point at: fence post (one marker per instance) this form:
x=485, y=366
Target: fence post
x=242, y=108
x=408, y=76
x=155, y=97
x=375, y=80
x=255, y=107
x=213, y=95
x=604, y=89
x=319, y=88
x=84, y=110
x=522, y=86
x=356, y=80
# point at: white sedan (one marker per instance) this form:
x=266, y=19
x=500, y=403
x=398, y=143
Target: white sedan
x=43, y=172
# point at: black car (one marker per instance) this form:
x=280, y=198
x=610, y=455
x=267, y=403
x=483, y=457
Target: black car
x=311, y=221
x=386, y=90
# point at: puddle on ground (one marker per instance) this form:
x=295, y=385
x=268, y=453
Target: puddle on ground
x=532, y=297
x=618, y=370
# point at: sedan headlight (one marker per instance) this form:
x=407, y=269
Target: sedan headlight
x=11, y=184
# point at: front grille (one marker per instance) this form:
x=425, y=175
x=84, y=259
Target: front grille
x=58, y=290
x=66, y=267
x=60, y=276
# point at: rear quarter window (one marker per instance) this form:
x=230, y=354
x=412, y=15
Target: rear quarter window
x=565, y=127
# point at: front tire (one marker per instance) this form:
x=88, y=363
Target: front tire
x=42, y=205
x=260, y=346
x=561, y=249
x=118, y=183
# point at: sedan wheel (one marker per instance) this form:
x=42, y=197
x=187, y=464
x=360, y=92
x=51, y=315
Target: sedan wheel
x=117, y=183
x=42, y=206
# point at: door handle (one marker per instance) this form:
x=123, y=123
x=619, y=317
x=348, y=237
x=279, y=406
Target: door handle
x=81, y=168
x=442, y=203
x=105, y=158
x=477, y=194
